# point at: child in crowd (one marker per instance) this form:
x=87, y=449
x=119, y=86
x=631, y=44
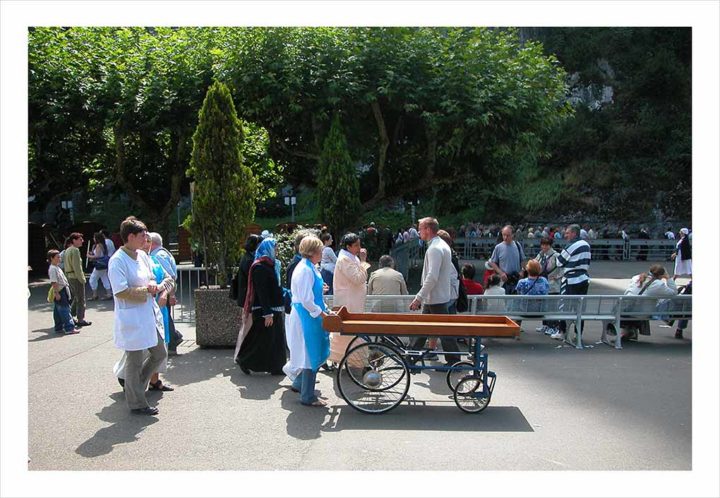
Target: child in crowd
x=61, y=295
x=471, y=286
x=495, y=288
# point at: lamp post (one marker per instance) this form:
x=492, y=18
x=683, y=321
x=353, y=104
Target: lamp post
x=291, y=200
x=69, y=206
x=413, y=204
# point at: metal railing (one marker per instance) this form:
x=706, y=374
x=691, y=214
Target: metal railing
x=189, y=279
x=410, y=254
x=575, y=309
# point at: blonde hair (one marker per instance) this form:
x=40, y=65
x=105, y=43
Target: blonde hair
x=533, y=268
x=431, y=223
x=309, y=246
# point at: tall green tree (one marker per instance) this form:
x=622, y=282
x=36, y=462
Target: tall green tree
x=338, y=191
x=225, y=189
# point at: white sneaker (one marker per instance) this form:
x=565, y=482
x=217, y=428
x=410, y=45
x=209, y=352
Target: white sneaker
x=558, y=335
x=551, y=331
x=541, y=328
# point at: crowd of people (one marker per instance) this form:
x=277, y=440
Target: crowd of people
x=283, y=334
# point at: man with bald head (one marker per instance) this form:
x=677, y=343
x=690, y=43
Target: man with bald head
x=506, y=260
x=167, y=261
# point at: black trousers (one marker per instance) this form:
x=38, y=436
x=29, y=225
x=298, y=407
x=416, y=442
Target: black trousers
x=574, y=290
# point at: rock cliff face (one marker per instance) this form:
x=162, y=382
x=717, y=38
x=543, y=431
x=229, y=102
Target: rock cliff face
x=593, y=96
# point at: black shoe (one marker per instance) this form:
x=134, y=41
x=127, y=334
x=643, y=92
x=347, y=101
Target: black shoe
x=84, y=323
x=121, y=382
x=148, y=410
x=246, y=371
x=159, y=386
x=679, y=334
x=172, y=352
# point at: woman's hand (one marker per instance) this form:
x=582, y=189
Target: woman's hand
x=326, y=288
x=162, y=300
x=673, y=256
x=363, y=255
x=268, y=321
x=152, y=288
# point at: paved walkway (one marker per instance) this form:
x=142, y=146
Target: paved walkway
x=554, y=408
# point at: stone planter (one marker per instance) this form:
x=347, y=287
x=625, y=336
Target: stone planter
x=217, y=318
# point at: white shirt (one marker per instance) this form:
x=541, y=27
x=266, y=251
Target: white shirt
x=328, y=260
x=58, y=276
x=110, y=246
x=136, y=324
x=436, y=273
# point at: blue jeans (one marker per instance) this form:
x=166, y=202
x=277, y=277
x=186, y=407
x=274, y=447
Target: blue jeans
x=61, y=313
x=305, y=383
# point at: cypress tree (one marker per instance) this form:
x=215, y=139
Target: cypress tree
x=338, y=189
x=225, y=189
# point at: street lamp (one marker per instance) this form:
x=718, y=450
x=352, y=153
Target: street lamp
x=291, y=200
x=69, y=206
x=413, y=204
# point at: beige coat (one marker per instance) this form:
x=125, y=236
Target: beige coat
x=349, y=287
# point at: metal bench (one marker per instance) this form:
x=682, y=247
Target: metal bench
x=603, y=308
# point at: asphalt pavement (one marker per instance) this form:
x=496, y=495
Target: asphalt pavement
x=553, y=408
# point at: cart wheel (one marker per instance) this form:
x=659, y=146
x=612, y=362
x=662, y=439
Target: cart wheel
x=454, y=376
x=373, y=378
x=468, y=395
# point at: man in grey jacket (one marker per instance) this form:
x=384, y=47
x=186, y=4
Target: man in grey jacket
x=434, y=295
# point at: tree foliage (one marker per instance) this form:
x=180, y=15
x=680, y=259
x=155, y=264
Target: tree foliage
x=113, y=110
x=225, y=189
x=338, y=192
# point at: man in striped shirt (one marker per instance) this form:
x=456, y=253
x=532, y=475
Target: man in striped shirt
x=575, y=260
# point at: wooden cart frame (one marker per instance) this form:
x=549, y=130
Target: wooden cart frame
x=374, y=374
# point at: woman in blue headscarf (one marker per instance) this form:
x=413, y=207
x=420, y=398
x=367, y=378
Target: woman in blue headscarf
x=263, y=350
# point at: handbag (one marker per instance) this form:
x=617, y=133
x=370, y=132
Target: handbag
x=102, y=262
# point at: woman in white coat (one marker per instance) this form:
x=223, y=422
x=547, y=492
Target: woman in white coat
x=138, y=320
x=683, y=256
x=307, y=340
x=350, y=287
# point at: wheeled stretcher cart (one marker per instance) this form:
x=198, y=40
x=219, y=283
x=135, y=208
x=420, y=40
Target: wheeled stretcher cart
x=374, y=374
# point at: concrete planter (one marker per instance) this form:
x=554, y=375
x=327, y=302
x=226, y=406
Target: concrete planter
x=217, y=318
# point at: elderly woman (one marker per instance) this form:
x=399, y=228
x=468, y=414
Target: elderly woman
x=263, y=350
x=349, y=286
x=307, y=340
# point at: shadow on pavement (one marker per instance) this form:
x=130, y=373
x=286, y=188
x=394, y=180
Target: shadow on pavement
x=413, y=415
x=125, y=428
x=49, y=334
x=199, y=365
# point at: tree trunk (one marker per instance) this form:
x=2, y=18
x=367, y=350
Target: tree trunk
x=153, y=218
x=382, y=150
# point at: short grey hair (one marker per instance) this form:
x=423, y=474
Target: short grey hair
x=156, y=239
x=386, y=261
x=575, y=228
